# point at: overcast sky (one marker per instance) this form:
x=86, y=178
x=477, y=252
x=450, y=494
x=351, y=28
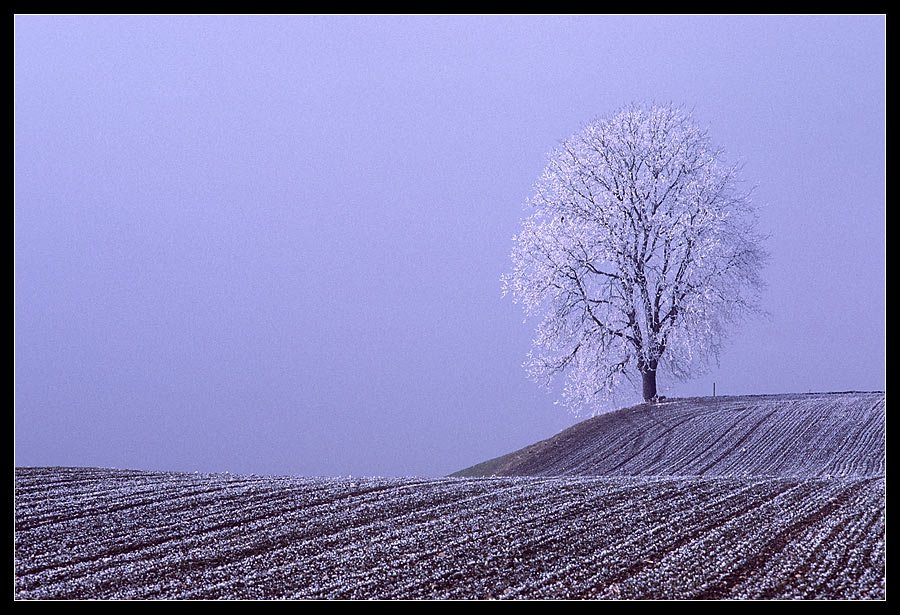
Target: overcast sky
x=274, y=244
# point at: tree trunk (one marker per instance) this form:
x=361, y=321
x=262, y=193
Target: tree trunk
x=649, y=379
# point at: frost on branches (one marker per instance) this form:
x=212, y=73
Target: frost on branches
x=641, y=251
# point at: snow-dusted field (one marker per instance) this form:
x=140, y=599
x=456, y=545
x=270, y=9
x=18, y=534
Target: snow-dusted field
x=736, y=497
x=820, y=434
x=93, y=533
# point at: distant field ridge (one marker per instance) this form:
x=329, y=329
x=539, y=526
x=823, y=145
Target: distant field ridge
x=799, y=435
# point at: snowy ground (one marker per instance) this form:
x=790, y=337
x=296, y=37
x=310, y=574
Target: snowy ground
x=738, y=497
x=813, y=435
x=93, y=533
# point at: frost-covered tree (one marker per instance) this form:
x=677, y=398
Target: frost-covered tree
x=642, y=250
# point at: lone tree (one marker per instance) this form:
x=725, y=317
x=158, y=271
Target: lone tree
x=641, y=251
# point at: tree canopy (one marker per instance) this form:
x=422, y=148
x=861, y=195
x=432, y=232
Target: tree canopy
x=641, y=252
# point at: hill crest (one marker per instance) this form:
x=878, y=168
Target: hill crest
x=806, y=435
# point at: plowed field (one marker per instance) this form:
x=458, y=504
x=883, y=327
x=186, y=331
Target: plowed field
x=670, y=513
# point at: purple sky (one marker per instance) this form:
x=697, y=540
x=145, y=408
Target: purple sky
x=273, y=244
